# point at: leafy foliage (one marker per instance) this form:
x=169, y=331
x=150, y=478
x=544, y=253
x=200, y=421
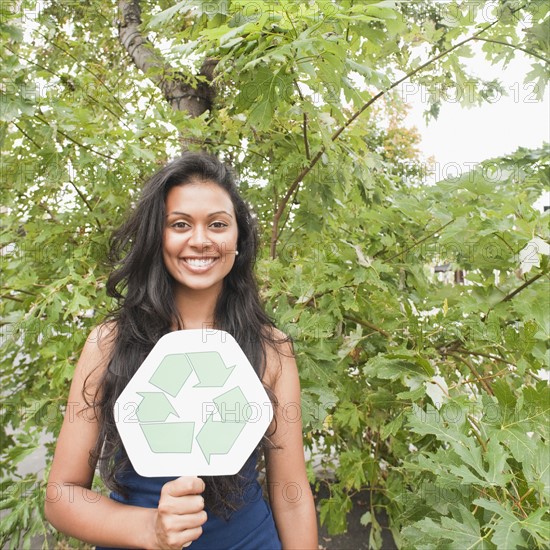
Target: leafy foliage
x=431, y=393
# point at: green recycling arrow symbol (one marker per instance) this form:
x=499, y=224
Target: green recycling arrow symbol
x=219, y=437
x=210, y=369
x=215, y=437
x=154, y=407
x=172, y=373
x=174, y=370
x=172, y=437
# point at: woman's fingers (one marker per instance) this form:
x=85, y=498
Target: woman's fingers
x=181, y=530
x=187, y=504
x=185, y=485
x=180, y=513
x=191, y=535
x=178, y=523
x=175, y=541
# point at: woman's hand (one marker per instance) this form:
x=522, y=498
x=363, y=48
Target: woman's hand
x=180, y=513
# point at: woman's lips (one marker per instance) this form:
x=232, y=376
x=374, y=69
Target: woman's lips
x=199, y=265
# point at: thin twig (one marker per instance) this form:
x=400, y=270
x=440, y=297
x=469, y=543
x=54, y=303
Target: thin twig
x=12, y=298
x=523, y=286
x=487, y=355
x=367, y=324
x=26, y=135
x=420, y=241
x=526, y=494
x=525, y=50
x=476, y=374
x=76, y=142
x=504, y=241
x=306, y=143
x=288, y=214
x=477, y=431
x=85, y=201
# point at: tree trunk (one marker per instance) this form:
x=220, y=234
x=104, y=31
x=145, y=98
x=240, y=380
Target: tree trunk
x=181, y=95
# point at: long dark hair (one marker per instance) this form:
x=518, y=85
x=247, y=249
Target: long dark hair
x=143, y=289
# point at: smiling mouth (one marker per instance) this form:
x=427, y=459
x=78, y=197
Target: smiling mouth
x=199, y=262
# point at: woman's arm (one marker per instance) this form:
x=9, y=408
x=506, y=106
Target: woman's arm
x=73, y=508
x=289, y=490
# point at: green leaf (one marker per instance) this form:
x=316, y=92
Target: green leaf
x=333, y=513
x=504, y=394
x=391, y=367
x=166, y=15
x=536, y=469
x=458, y=535
x=496, y=457
x=537, y=526
x=392, y=427
x=365, y=519
x=507, y=530
x=349, y=415
x=353, y=469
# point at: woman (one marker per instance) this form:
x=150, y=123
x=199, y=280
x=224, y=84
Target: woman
x=183, y=260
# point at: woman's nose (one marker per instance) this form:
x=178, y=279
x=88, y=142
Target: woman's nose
x=199, y=238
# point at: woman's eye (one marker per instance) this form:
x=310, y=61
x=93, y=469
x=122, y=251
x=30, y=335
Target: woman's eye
x=218, y=225
x=180, y=225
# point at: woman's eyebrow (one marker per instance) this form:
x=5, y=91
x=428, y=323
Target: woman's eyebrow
x=177, y=213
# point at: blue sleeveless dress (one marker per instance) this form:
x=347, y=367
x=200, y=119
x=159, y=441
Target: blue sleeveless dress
x=251, y=527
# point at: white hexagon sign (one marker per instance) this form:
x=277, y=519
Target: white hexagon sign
x=195, y=406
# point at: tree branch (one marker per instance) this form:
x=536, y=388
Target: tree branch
x=487, y=355
x=473, y=370
x=525, y=50
x=76, y=142
x=286, y=198
x=476, y=431
x=13, y=299
x=336, y=135
x=26, y=135
x=85, y=201
x=367, y=324
x=499, y=374
x=306, y=143
x=304, y=124
x=181, y=95
x=523, y=286
x=420, y=241
x=288, y=213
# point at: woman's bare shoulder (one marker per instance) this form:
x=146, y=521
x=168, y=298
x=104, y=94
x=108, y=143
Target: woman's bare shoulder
x=277, y=337
x=102, y=336
x=279, y=354
x=98, y=349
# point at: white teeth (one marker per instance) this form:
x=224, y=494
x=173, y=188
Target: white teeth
x=200, y=262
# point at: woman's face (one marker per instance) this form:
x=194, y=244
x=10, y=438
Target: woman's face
x=200, y=235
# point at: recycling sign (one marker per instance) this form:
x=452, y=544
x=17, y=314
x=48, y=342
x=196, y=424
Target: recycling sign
x=195, y=406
